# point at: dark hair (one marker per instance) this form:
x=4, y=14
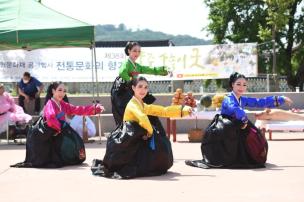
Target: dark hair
x=49, y=92
x=138, y=79
x=235, y=76
x=27, y=74
x=130, y=45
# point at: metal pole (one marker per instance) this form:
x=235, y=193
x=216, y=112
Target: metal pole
x=93, y=64
x=271, y=81
x=274, y=59
x=93, y=80
x=274, y=62
x=267, y=82
x=7, y=131
x=96, y=74
x=97, y=89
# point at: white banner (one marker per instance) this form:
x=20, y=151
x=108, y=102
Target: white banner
x=185, y=62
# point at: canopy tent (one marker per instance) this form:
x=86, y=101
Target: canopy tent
x=28, y=24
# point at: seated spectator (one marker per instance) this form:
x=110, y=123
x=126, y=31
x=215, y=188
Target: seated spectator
x=9, y=111
x=29, y=88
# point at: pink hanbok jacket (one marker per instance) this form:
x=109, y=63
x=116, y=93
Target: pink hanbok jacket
x=7, y=103
x=51, y=110
x=10, y=112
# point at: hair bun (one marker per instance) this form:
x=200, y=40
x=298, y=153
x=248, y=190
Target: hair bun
x=129, y=46
x=232, y=77
x=235, y=76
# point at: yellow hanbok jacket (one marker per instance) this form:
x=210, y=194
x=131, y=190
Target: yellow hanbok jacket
x=138, y=112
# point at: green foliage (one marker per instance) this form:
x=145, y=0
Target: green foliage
x=122, y=33
x=235, y=20
x=207, y=83
x=261, y=21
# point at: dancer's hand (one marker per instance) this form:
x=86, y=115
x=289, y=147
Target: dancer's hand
x=244, y=126
x=288, y=101
x=170, y=74
x=99, y=108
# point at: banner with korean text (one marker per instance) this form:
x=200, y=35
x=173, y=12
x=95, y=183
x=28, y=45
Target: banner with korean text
x=184, y=62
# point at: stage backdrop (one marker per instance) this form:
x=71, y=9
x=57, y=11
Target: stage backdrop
x=185, y=62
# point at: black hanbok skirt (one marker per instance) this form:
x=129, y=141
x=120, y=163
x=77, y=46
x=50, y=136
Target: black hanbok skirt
x=226, y=145
x=44, y=149
x=128, y=155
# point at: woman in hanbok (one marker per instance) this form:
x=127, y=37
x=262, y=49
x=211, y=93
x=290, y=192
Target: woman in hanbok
x=121, y=91
x=139, y=147
x=9, y=111
x=51, y=141
x=234, y=103
x=231, y=140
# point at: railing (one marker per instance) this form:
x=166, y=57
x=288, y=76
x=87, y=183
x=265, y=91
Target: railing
x=258, y=84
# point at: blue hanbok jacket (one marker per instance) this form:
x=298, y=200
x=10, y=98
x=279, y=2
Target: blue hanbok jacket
x=235, y=108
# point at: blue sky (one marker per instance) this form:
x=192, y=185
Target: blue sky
x=169, y=16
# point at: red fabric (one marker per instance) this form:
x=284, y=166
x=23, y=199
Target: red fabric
x=134, y=73
x=257, y=146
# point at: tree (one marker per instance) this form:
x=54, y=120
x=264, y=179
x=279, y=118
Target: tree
x=122, y=27
x=242, y=21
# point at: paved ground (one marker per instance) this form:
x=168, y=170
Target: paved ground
x=282, y=180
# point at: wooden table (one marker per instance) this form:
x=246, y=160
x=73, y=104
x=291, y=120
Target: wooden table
x=202, y=115
x=270, y=126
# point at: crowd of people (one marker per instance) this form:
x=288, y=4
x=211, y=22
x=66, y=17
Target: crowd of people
x=138, y=146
